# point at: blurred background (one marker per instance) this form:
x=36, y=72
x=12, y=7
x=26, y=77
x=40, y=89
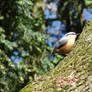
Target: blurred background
x=29, y=30
x=65, y=16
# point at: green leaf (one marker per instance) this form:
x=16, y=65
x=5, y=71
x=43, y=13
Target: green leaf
x=1, y=17
x=55, y=61
x=39, y=49
x=88, y=2
x=51, y=66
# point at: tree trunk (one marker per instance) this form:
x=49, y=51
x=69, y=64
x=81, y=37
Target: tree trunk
x=73, y=73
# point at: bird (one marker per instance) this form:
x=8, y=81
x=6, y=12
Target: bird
x=65, y=44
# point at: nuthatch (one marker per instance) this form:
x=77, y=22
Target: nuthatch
x=65, y=44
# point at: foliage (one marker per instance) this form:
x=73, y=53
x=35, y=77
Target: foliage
x=49, y=63
x=22, y=35
x=20, y=31
x=88, y=3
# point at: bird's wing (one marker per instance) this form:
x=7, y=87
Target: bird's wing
x=61, y=42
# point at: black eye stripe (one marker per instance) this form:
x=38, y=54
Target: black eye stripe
x=71, y=34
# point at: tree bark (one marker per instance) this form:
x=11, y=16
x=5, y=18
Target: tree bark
x=73, y=73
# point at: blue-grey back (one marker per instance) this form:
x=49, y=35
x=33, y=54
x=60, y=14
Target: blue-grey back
x=61, y=42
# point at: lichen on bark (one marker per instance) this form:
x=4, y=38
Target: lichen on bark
x=73, y=73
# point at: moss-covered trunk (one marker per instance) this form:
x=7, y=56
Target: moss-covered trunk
x=74, y=73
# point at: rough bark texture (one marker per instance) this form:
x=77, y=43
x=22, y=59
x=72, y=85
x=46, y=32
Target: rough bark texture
x=74, y=73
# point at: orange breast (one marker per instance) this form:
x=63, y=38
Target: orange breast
x=67, y=47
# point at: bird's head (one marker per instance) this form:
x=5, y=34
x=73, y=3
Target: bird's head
x=72, y=34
